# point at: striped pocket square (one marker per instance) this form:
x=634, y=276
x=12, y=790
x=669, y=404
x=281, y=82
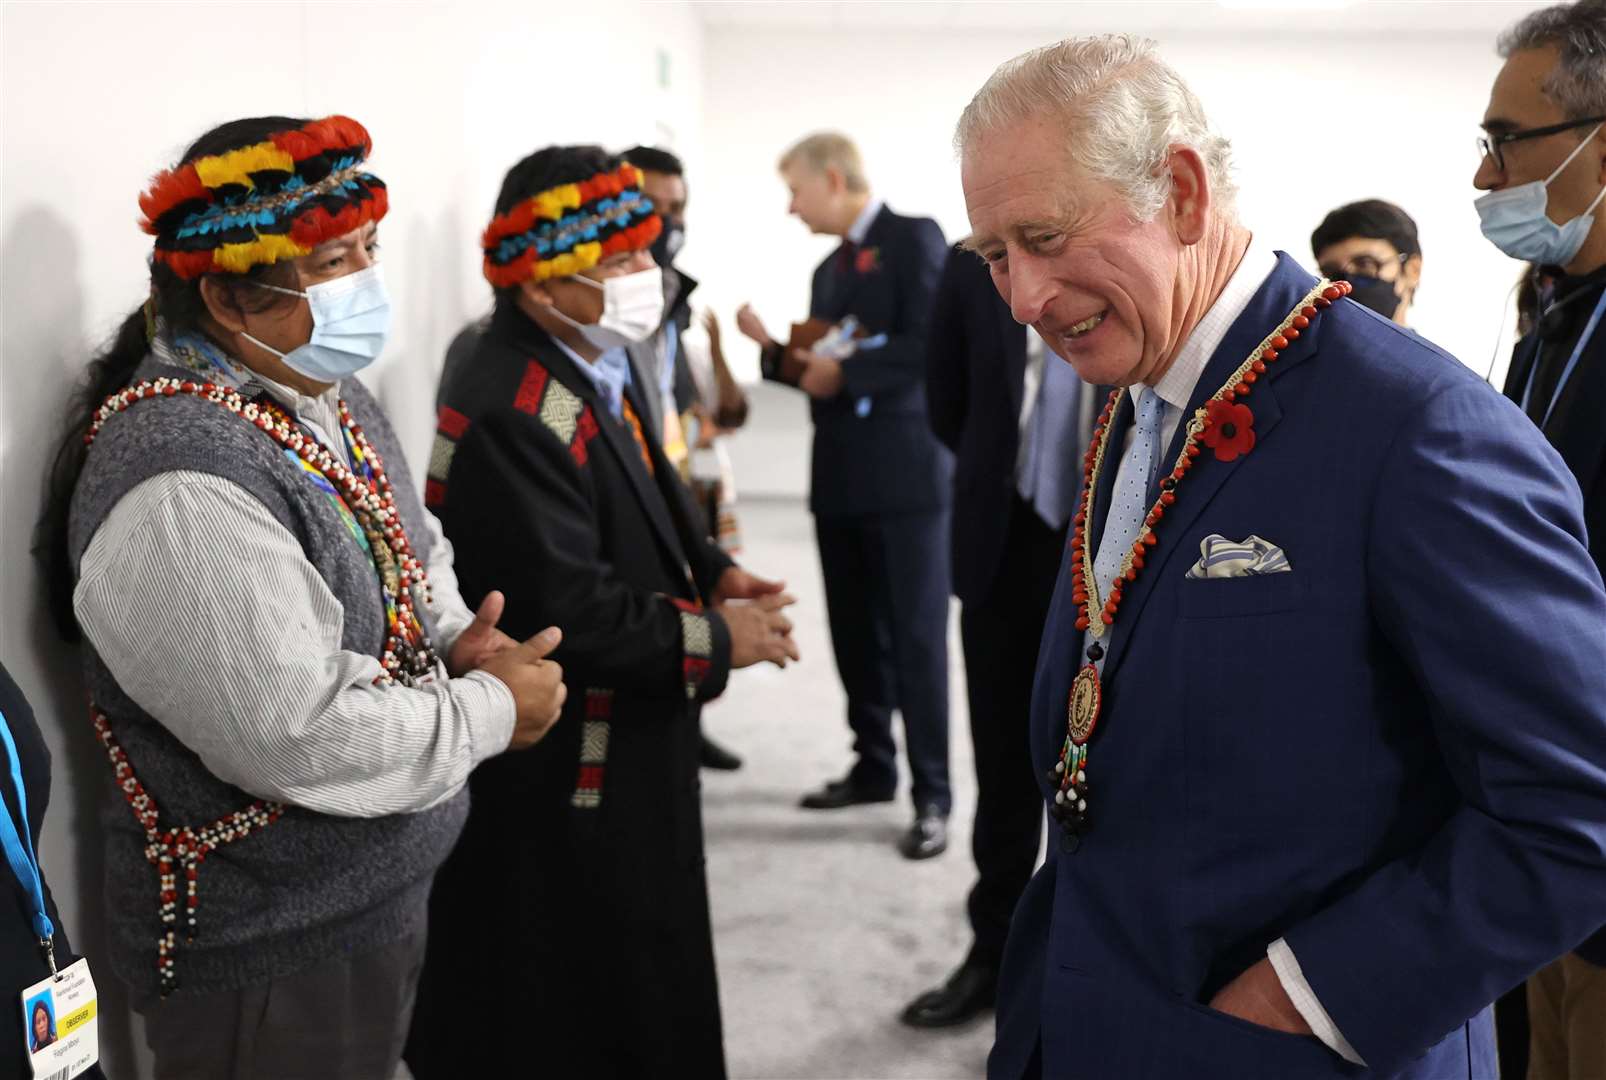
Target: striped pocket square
x=1223, y=558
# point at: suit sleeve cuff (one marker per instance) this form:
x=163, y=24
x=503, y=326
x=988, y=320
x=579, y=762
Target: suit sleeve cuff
x=705, y=653
x=716, y=560
x=854, y=378
x=1286, y=964
x=771, y=364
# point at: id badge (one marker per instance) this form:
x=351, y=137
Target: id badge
x=60, y=1022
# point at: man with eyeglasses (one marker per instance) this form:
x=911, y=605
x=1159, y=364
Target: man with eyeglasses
x=1544, y=169
x=1371, y=244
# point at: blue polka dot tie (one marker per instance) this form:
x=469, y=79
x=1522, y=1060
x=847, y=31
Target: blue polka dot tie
x=1129, y=501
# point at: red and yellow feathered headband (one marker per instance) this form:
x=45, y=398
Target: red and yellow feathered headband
x=276, y=199
x=570, y=228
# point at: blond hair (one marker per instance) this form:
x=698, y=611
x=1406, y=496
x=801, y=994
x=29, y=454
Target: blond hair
x=1124, y=108
x=828, y=150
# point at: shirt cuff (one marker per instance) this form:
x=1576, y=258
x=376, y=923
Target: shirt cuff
x=1300, y=993
x=449, y=626
x=489, y=705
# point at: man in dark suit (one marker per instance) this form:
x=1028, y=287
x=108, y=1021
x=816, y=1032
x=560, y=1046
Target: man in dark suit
x=586, y=852
x=1320, y=709
x=1017, y=428
x=881, y=484
x=1544, y=120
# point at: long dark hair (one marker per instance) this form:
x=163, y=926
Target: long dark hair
x=179, y=303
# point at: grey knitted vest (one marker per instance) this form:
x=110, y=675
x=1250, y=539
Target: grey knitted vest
x=310, y=887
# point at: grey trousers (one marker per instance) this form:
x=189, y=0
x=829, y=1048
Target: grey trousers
x=346, y=1019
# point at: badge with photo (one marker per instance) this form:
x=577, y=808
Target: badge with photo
x=60, y=1024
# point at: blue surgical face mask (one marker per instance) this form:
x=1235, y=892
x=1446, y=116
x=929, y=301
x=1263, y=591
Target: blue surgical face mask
x=350, y=318
x=1514, y=219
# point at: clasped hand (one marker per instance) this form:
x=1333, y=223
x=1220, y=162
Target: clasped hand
x=821, y=380
x=535, y=682
x=753, y=610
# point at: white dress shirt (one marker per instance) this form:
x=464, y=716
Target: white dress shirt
x=1174, y=389
x=861, y=224
x=1176, y=386
x=208, y=614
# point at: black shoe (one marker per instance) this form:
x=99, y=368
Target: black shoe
x=715, y=756
x=968, y=992
x=927, y=837
x=839, y=793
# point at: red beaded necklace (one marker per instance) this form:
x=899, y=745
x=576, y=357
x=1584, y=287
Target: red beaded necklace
x=1211, y=423
x=407, y=656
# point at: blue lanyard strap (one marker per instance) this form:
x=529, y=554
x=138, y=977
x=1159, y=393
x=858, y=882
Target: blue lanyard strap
x=1572, y=362
x=19, y=849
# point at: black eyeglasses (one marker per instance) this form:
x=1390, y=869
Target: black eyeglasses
x=1495, y=145
x=1360, y=266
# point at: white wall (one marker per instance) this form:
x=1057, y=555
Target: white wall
x=1320, y=110
x=97, y=97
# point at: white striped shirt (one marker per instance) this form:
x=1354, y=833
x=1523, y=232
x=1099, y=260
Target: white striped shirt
x=207, y=612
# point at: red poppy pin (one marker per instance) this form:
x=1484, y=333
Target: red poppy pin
x=867, y=260
x=1230, y=430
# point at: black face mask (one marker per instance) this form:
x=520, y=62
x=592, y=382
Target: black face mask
x=1375, y=293
x=669, y=242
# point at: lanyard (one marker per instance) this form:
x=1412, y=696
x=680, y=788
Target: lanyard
x=19, y=850
x=1572, y=362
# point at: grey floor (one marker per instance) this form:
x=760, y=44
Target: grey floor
x=822, y=930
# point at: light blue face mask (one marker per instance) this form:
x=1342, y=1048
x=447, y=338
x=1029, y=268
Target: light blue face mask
x=350, y=318
x=1514, y=219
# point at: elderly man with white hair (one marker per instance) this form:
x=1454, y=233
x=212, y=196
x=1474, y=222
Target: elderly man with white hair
x=1320, y=709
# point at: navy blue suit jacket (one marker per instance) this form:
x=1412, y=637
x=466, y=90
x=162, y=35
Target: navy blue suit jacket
x=1393, y=756
x=886, y=461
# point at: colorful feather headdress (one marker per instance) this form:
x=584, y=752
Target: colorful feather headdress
x=277, y=199
x=570, y=228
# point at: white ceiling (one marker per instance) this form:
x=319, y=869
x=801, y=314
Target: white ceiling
x=1297, y=17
